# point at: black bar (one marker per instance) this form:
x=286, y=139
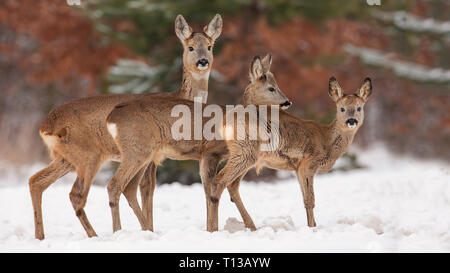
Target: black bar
x=227, y=262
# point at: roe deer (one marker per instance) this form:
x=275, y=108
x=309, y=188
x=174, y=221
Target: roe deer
x=306, y=147
x=143, y=134
x=78, y=139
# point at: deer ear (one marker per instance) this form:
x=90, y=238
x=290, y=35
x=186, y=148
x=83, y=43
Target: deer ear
x=334, y=90
x=266, y=63
x=256, y=69
x=214, y=28
x=182, y=29
x=365, y=90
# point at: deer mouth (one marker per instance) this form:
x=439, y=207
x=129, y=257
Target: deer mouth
x=351, y=123
x=201, y=68
x=285, y=105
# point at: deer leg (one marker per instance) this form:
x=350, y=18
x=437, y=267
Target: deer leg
x=147, y=188
x=236, y=167
x=126, y=171
x=38, y=183
x=208, y=170
x=76, y=197
x=307, y=185
x=130, y=193
x=212, y=203
x=79, y=193
x=233, y=189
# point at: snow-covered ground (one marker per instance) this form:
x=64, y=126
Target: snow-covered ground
x=396, y=204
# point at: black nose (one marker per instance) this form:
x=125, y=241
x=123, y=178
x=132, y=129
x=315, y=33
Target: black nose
x=286, y=104
x=202, y=62
x=351, y=121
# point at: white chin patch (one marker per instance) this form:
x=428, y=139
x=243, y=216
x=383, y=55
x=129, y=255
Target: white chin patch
x=351, y=126
x=284, y=107
x=200, y=76
x=201, y=68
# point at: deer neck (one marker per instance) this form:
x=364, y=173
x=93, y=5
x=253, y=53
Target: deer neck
x=248, y=97
x=194, y=85
x=338, y=139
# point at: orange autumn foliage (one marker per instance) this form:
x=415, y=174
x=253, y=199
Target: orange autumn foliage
x=68, y=48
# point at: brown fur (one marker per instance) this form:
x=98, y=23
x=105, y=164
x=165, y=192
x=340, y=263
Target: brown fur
x=143, y=135
x=306, y=147
x=77, y=136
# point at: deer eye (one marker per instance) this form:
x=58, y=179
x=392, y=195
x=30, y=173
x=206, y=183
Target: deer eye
x=342, y=109
x=359, y=109
x=191, y=48
x=271, y=89
x=209, y=48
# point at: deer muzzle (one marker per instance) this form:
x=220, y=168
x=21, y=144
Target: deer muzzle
x=351, y=123
x=202, y=64
x=285, y=105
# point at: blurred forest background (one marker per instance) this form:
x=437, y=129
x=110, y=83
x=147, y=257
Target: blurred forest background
x=51, y=52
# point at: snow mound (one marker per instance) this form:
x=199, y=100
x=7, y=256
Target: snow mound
x=279, y=223
x=369, y=221
x=234, y=225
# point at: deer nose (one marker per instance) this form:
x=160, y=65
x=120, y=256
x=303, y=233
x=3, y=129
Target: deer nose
x=285, y=104
x=351, y=121
x=202, y=62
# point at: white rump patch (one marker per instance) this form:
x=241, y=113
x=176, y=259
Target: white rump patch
x=227, y=133
x=112, y=129
x=49, y=140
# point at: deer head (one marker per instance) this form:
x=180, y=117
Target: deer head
x=198, y=46
x=263, y=89
x=350, y=108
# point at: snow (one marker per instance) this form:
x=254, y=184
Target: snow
x=408, y=21
x=130, y=75
x=409, y=70
x=396, y=204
